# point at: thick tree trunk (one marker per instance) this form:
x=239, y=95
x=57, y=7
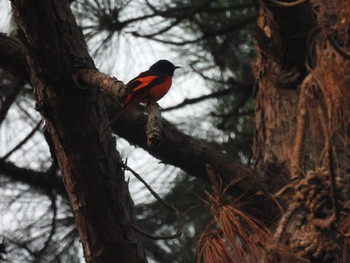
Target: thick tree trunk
x=302, y=125
x=74, y=117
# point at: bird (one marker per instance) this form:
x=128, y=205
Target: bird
x=150, y=85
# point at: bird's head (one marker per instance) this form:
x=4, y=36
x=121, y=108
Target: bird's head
x=164, y=66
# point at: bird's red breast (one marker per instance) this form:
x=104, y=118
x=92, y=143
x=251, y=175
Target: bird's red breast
x=148, y=86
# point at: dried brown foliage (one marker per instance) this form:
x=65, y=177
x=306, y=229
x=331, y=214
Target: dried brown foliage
x=232, y=235
x=344, y=228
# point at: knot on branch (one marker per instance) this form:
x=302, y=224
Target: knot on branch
x=175, y=210
x=154, y=125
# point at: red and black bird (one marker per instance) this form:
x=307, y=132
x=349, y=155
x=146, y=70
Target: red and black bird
x=150, y=85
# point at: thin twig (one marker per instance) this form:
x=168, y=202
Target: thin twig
x=159, y=32
x=6, y=104
x=300, y=131
x=21, y=143
x=229, y=82
x=340, y=50
x=213, y=95
x=176, y=211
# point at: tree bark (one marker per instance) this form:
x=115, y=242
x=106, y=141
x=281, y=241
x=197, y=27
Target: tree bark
x=74, y=117
x=302, y=125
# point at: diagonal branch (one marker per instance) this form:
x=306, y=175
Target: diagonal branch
x=16, y=87
x=174, y=209
x=21, y=143
x=39, y=180
x=12, y=58
x=212, y=95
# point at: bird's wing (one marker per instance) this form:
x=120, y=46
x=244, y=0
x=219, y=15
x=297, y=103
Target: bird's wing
x=145, y=81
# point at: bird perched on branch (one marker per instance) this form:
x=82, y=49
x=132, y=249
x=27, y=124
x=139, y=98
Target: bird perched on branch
x=150, y=85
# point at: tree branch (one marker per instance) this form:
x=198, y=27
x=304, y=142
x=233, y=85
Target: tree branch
x=174, y=209
x=21, y=143
x=39, y=180
x=181, y=150
x=92, y=77
x=12, y=58
x=16, y=87
x=212, y=95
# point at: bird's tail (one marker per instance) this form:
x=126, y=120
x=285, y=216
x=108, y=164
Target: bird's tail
x=129, y=103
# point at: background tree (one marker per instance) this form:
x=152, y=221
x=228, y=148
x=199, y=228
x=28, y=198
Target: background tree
x=302, y=123
x=294, y=182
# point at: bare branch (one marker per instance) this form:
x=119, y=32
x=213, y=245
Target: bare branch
x=92, y=77
x=161, y=31
x=40, y=180
x=180, y=11
x=231, y=118
x=21, y=143
x=230, y=81
x=190, y=154
x=6, y=104
x=53, y=227
x=176, y=212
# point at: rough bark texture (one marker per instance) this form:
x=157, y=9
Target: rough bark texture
x=191, y=157
x=91, y=167
x=302, y=119
x=154, y=127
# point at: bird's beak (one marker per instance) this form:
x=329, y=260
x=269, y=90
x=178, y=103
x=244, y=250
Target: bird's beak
x=177, y=67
